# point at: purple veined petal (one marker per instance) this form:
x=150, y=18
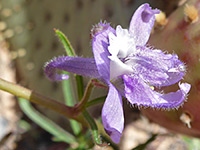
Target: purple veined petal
x=140, y=93
x=142, y=23
x=113, y=115
x=156, y=67
x=100, y=49
x=77, y=65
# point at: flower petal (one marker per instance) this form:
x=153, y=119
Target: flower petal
x=176, y=98
x=142, y=23
x=121, y=44
x=77, y=65
x=100, y=49
x=118, y=68
x=113, y=115
x=157, y=68
x=140, y=93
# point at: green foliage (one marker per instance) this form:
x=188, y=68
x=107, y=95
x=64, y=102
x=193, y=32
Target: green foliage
x=24, y=125
x=46, y=123
x=68, y=94
x=193, y=143
x=67, y=45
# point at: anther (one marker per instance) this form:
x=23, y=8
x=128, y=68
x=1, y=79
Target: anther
x=186, y=119
x=191, y=13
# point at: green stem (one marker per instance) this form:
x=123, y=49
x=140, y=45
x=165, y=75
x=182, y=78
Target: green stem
x=46, y=123
x=36, y=98
x=84, y=100
x=100, y=85
x=80, y=89
x=96, y=101
x=90, y=120
x=94, y=129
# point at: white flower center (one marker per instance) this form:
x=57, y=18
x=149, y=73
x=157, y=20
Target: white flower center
x=121, y=46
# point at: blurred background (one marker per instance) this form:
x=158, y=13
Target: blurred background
x=27, y=41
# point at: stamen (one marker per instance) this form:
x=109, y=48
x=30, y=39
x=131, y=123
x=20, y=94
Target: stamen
x=191, y=13
x=186, y=119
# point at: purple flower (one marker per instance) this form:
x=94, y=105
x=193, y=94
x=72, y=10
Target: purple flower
x=130, y=69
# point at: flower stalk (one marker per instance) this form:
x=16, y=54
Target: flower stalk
x=80, y=106
x=94, y=129
x=39, y=99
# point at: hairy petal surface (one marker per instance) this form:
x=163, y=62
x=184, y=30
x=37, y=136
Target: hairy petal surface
x=100, y=49
x=140, y=93
x=77, y=65
x=142, y=23
x=113, y=115
x=157, y=68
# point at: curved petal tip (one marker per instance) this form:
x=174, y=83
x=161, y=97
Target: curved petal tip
x=140, y=93
x=185, y=87
x=141, y=24
x=148, y=12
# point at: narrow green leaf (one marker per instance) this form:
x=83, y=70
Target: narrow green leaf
x=67, y=45
x=93, y=127
x=46, y=123
x=70, y=101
